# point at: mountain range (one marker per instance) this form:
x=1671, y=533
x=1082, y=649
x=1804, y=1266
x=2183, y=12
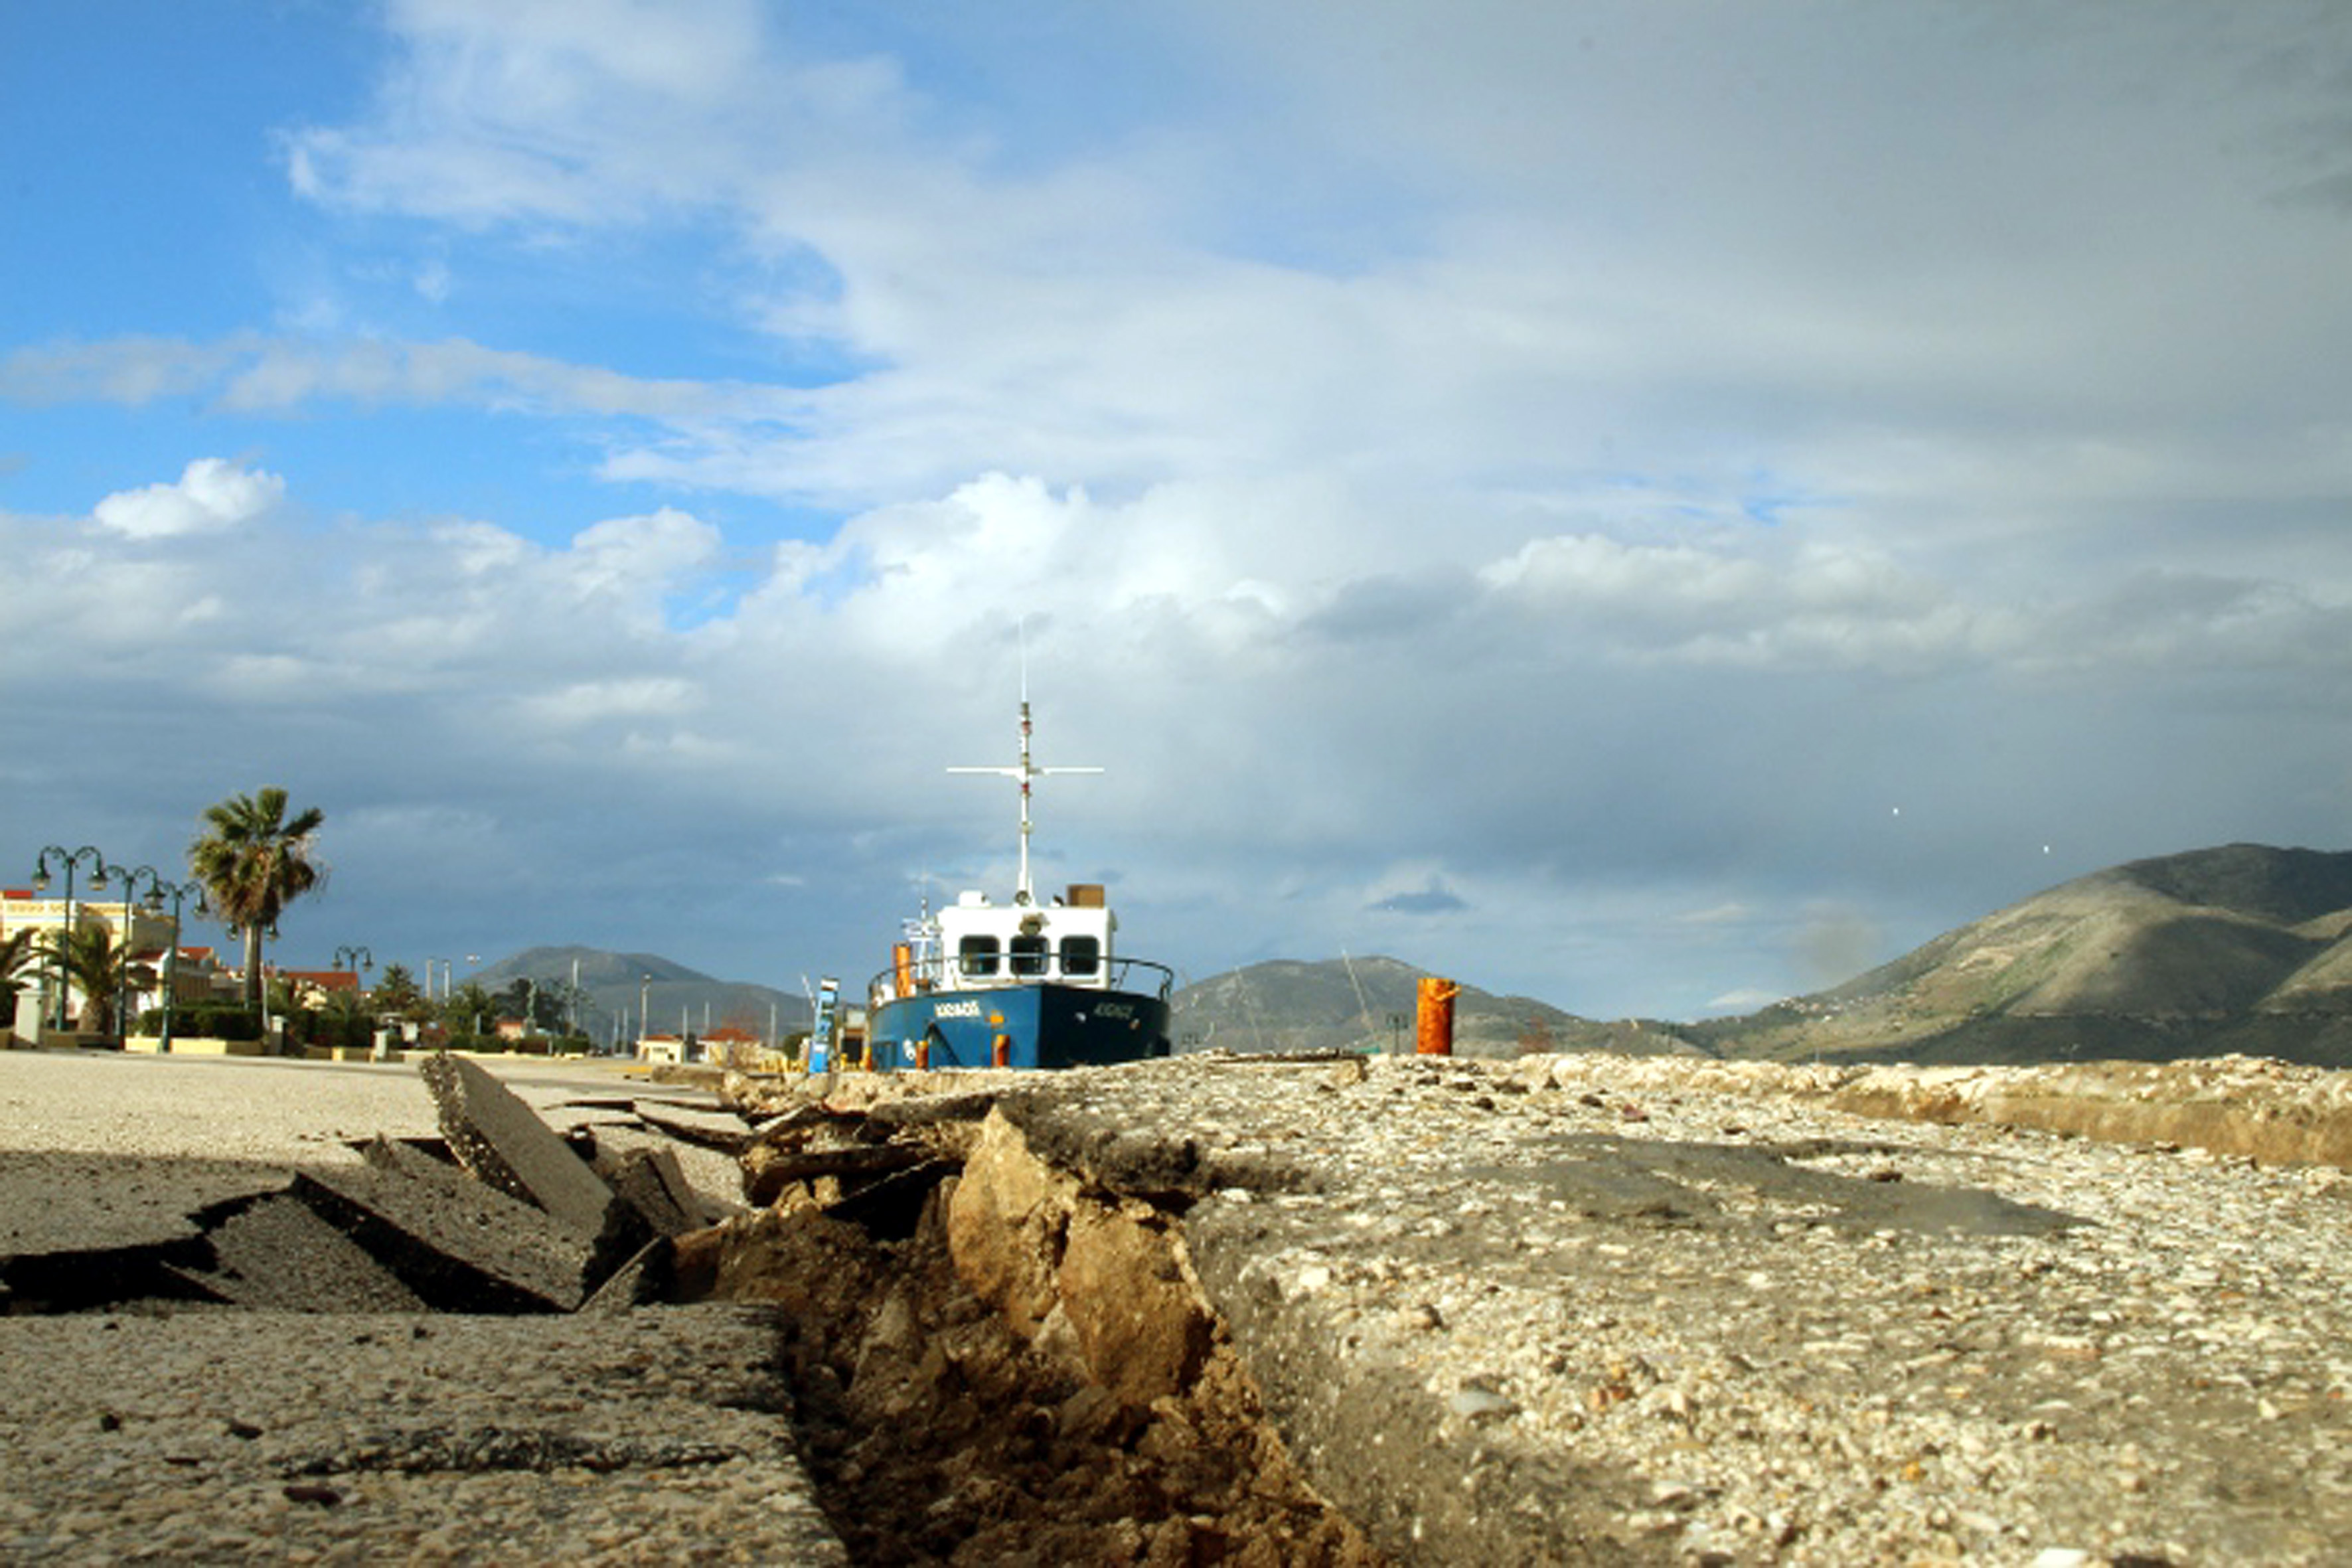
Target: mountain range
x=1355, y=1003
x=2240, y=948
x=612, y=986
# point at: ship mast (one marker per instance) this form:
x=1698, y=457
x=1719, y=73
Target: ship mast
x=1024, y=771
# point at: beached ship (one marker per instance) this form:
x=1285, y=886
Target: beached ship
x=1025, y=983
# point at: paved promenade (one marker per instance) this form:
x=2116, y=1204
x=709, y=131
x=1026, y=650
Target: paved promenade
x=225, y=1435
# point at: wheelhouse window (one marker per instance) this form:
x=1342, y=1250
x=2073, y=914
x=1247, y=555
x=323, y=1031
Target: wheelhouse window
x=976, y=956
x=1029, y=953
x=1081, y=956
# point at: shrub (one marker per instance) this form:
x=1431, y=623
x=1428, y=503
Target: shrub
x=214, y=1020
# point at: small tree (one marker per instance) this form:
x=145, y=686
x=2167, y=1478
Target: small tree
x=18, y=951
x=93, y=962
x=466, y=1011
x=396, y=996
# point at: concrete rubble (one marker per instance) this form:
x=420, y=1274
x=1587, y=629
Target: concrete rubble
x=1330, y=1310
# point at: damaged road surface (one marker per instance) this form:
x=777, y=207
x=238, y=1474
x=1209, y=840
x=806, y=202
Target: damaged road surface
x=345, y=1345
x=1589, y=1310
x=1209, y=1310
x=270, y=1435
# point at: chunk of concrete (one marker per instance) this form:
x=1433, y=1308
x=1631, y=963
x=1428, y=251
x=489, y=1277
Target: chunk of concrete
x=503, y=1142
x=461, y=1246
x=644, y=1281
x=714, y=1182
x=651, y=1182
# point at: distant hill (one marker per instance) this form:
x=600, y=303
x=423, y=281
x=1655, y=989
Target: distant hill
x=2241, y=948
x=611, y=983
x=1369, y=1003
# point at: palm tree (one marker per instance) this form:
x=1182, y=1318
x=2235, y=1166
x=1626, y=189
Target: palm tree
x=467, y=1010
x=17, y=949
x=102, y=970
x=396, y=995
x=254, y=861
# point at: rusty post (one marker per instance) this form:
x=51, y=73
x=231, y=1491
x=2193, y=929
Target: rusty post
x=1433, y=1024
x=1000, y=1051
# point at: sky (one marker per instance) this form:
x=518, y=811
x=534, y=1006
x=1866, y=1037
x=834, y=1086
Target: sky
x=1653, y=506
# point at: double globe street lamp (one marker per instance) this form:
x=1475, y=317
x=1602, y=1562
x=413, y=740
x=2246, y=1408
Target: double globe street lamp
x=68, y=858
x=122, y=954
x=178, y=892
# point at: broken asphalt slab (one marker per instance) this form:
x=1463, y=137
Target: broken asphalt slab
x=461, y=1245
x=504, y=1142
x=280, y=1253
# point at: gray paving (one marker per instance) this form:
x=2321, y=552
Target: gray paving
x=175, y=1432
x=232, y=1436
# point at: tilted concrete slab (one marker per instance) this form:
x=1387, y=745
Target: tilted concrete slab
x=714, y=1182
x=658, y=1436
x=503, y=1141
x=651, y=1182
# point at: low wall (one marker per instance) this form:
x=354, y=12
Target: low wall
x=212, y=1046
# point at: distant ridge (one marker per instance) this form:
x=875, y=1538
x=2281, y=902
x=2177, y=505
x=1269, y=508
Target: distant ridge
x=613, y=983
x=1367, y=1004
x=2241, y=948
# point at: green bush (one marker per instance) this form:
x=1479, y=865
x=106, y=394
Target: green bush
x=209, y=1020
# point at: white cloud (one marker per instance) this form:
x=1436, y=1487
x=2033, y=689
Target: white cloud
x=211, y=496
x=595, y=702
x=1912, y=406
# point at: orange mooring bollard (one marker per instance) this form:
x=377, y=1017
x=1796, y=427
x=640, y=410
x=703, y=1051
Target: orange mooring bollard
x=1433, y=1024
x=999, y=1052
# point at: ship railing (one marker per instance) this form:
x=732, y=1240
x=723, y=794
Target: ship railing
x=947, y=973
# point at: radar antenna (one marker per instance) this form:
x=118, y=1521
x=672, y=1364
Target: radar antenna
x=1024, y=771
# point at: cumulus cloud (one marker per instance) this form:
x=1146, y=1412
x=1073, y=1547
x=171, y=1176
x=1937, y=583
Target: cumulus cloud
x=211, y=496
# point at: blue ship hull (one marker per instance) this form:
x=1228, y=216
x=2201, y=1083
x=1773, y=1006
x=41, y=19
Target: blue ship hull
x=1042, y=1025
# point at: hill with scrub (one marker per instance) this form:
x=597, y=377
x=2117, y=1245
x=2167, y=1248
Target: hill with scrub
x=2242, y=948
x=1368, y=1004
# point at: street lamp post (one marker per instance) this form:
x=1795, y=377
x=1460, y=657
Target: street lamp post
x=69, y=860
x=429, y=977
x=645, y=988
x=179, y=890
x=123, y=957
x=355, y=959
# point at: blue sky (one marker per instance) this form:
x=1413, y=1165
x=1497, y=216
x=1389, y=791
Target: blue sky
x=1650, y=506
